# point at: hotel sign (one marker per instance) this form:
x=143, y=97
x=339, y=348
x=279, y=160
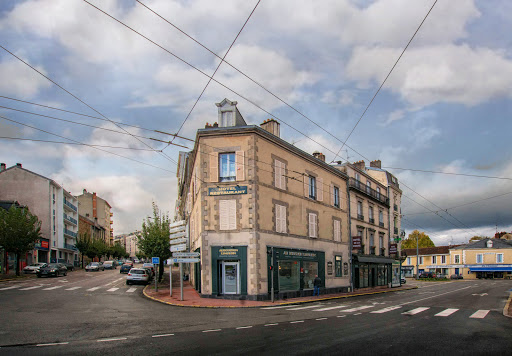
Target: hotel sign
x=231, y=190
x=356, y=242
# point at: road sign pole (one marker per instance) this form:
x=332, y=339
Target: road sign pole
x=170, y=279
x=156, y=278
x=181, y=279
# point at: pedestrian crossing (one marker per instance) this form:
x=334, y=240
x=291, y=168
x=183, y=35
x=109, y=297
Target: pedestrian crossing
x=358, y=310
x=49, y=287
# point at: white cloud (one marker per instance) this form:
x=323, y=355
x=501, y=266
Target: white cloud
x=339, y=98
x=19, y=80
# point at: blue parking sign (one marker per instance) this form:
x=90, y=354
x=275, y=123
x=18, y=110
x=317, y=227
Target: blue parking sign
x=155, y=260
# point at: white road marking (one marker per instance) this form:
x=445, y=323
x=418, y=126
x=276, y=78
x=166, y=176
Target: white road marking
x=162, y=335
x=131, y=290
x=415, y=311
x=53, y=344
x=73, y=288
x=435, y=296
x=358, y=313
x=331, y=308
x=295, y=322
x=113, y=339
x=480, y=314
x=308, y=307
x=52, y=288
x=340, y=316
x=244, y=327
x=278, y=307
x=356, y=309
x=12, y=287
x=321, y=319
x=117, y=280
x=29, y=288
x=271, y=324
x=211, y=331
x=112, y=289
x=447, y=312
x=385, y=310
x=93, y=289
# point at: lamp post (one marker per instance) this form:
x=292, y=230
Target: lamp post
x=417, y=259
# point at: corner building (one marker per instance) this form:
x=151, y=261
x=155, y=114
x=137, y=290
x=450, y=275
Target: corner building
x=261, y=210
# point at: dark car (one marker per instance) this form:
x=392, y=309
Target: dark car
x=69, y=266
x=456, y=276
x=125, y=268
x=428, y=275
x=52, y=269
x=109, y=265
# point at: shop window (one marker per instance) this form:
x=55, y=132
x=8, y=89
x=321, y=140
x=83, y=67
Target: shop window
x=313, y=225
x=499, y=258
x=279, y=174
x=337, y=266
x=280, y=217
x=227, y=214
x=289, y=275
x=310, y=272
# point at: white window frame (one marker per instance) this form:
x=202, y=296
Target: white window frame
x=480, y=256
x=421, y=260
x=497, y=259
x=313, y=225
x=456, y=259
x=231, y=167
x=359, y=208
x=336, y=193
x=434, y=260
x=280, y=213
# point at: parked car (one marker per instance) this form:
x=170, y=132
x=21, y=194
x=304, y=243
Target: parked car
x=151, y=267
x=52, y=269
x=125, y=268
x=34, y=267
x=428, y=275
x=150, y=273
x=69, y=266
x=456, y=276
x=94, y=266
x=137, y=275
x=402, y=280
x=128, y=262
x=109, y=265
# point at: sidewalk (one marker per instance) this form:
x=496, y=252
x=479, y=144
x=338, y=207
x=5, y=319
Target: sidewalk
x=191, y=298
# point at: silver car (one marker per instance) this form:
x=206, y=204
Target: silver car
x=34, y=268
x=137, y=275
x=94, y=266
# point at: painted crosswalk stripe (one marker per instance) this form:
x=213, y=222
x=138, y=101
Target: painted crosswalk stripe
x=447, y=312
x=93, y=289
x=52, y=288
x=278, y=307
x=356, y=309
x=131, y=290
x=73, y=288
x=480, y=314
x=331, y=308
x=12, y=287
x=29, y=288
x=415, y=311
x=112, y=289
x=308, y=307
x=385, y=310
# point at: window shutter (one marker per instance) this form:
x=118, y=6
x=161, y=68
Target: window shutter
x=306, y=185
x=277, y=174
x=232, y=215
x=196, y=181
x=283, y=178
x=280, y=211
x=214, y=167
x=331, y=193
x=240, y=165
x=283, y=219
x=337, y=236
x=223, y=214
x=312, y=225
x=320, y=189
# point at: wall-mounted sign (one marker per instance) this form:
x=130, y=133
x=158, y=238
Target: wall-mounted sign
x=231, y=190
x=42, y=244
x=300, y=254
x=356, y=242
x=228, y=252
x=329, y=268
x=392, y=248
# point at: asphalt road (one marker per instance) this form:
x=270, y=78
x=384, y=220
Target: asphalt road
x=96, y=313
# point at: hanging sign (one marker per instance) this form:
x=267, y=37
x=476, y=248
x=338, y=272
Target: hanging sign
x=356, y=242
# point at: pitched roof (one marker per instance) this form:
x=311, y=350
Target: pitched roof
x=482, y=244
x=438, y=250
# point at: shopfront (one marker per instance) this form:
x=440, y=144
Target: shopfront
x=42, y=247
x=294, y=271
x=491, y=271
x=371, y=271
x=229, y=270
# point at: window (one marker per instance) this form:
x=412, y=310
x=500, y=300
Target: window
x=312, y=187
x=227, y=171
x=499, y=258
x=434, y=259
x=408, y=260
x=421, y=260
x=360, y=210
x=226, y=119
x=227, y=214
x=337, y=266
x=368, y=187
x=381, y=242
x=280, y=218
x=337, y=230
x=381, y=218
x=279, y=176
x=378, y=192
x=313, y=225
x=370, y=214
x=358, y=181
x=443, y=259
x=479, y=258
x=336, y=193
x=372, y=243
x=457, y=258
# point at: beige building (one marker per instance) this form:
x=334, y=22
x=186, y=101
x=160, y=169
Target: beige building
x=430, y=259
x=131, y=244
x=98, y=210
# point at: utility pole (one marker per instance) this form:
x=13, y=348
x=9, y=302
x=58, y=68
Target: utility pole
x=417, y=259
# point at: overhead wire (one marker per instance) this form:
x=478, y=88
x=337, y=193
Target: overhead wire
x=74, y=143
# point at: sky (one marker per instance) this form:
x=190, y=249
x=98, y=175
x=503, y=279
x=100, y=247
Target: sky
x=313, y=65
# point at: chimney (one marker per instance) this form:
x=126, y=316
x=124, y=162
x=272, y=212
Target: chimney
x=2, y=167
x=271, y=126
x=18, y=165
x=359, y=165
x=376, y=163
x=319, y=155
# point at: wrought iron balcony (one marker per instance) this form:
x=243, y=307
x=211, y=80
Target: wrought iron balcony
x=381, y=224
x=372, y=221
x=70, y=247
x=372, y=193
x=383, y=251
x=70, y=219
x=70, y=233
x=69, y=205
x=360, y=217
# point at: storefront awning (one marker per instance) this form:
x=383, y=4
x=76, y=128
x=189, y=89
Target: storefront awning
x=491, y=269
x=371, y=259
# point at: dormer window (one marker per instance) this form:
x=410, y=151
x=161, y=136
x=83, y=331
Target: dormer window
x=228, y=114
x=226, y=119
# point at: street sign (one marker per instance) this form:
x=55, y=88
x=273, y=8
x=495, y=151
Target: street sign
x=186, y=254
x=178, y=241
x=178, y=223
x=178, y=235
x=155, y=260
x=176, y=248
x=185, y=260
x=177, y=229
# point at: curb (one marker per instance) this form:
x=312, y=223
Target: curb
x=507, y=307
x=14, y=279
x=277, y=304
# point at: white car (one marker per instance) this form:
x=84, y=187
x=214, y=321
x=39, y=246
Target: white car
x=137, y=275
x=34, y=267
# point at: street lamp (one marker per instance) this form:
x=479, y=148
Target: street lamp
x=417, y=259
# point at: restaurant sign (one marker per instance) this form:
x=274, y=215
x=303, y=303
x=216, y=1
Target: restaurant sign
x=231, y=190
x=356, y=242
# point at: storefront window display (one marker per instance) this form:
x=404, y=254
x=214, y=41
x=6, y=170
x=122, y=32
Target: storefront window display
x=310, y=272
x=289, y=275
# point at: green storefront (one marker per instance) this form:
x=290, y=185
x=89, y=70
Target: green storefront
x=293, y=271
x=229, y=271
x=371, y=271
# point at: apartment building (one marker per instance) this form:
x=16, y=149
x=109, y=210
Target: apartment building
x=262, y=213
x=98, y=210
x=132, y=248
x=56, y=208
x=91, y=228
x=430, y=259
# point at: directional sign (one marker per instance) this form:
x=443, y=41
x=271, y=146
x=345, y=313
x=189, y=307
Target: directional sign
x=178, y=223
x=185, y=254
x=178, y=241
x=176, y=248
x=177, y=229
x=185, y=260
x=177, y=235
x=155, y=260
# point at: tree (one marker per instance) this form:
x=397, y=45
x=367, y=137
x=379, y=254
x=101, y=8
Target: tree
x=97, y=248
x=423, y=240
x=19, y=230
x=154, y=239
x=118, y=251
x=83, y=242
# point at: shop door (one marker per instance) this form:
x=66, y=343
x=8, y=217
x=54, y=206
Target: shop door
x=373, y=276
x=231, y=277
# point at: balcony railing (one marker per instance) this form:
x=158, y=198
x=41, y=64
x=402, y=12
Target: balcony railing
x=69, y=205
x=396, y=230
x=372, y=221
x=353, y=183
x=70, y=233
x=381, y=224
x=70, y=219
x=372, y=250
x=360, y=217
x=383, y=251
x=70, y=247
